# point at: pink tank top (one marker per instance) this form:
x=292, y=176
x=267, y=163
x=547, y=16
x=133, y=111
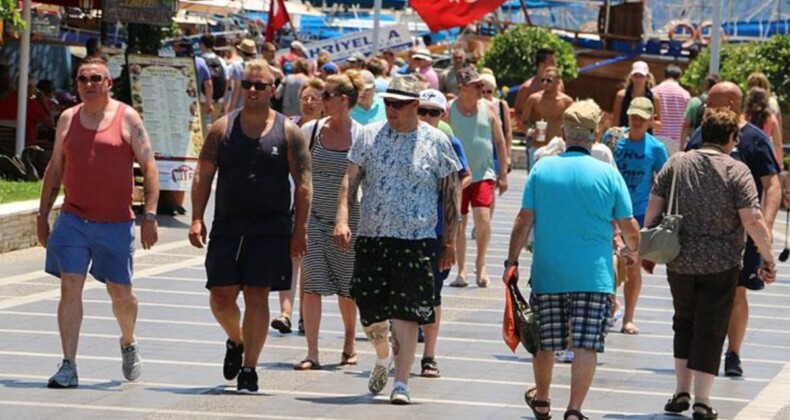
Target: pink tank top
x=98, y=173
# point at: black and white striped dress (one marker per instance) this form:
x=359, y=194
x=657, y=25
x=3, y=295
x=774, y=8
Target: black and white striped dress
x=327, y=270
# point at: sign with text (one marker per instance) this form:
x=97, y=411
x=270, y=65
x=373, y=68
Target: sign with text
x=164, y=92
x=152, y=12
x=45, y=25
x=395, y=37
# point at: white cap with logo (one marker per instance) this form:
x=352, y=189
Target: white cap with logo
x=432, y=98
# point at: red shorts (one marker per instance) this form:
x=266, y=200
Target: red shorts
x=478, y=194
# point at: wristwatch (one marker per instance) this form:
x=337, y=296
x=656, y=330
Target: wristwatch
x=150, y=216
x=511, y=263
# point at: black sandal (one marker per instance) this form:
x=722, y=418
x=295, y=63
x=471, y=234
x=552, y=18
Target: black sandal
x=674, y=405
x=709, y=414
x=282, y=324
x=576, y=413
x=533, y=404
x=429, y=368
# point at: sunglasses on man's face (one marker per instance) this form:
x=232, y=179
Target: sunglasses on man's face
x=432, y=112
x=326, y=95
x=248, y=84
x=547, y=80
x=396, y=104
x=93, y=78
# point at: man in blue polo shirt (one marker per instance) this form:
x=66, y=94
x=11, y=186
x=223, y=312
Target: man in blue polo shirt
x=572, y=200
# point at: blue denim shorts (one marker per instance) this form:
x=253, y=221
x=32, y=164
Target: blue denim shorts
x=76, y=244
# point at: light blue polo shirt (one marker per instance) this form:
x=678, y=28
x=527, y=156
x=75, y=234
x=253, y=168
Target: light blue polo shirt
x=376, y=112
x=575, y=198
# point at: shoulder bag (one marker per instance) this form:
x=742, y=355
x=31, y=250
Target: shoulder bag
x=661, y=244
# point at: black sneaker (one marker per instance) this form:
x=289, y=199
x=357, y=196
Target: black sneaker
x=247, y=382
x=732, y=364
x=233, y=355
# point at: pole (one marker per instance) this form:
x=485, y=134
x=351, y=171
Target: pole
x=24, y=68
x=526, y=13
x=376, y=26
x=715, y=38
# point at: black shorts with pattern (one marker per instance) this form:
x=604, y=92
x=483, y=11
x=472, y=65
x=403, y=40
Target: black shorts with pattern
x=393, y=279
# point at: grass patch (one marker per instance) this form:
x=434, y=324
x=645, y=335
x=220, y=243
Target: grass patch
x=11, y=191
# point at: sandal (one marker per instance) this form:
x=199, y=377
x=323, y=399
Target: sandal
x=429, y=368
x=629, y=328
x=575, y=413
x=282, y=324
x=534, y=404
x=347, y=359
x=300, y=327
x=308, y=364
x=708, y=414
x=675, y=405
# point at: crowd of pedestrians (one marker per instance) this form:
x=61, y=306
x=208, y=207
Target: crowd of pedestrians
x=357, y=180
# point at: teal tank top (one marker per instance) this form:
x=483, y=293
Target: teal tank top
x=476, y=137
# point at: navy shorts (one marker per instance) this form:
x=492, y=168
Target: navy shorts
x=751, y=265
x=393, y=279
x=438, y=276
x=255, y=260
x=640, y=219
x=586, y=314
x=107, y=248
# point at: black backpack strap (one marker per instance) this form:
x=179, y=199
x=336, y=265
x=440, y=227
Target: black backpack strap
x=320, y=121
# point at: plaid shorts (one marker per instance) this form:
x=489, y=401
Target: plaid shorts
x=585, y=314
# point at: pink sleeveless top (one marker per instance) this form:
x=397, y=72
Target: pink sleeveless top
x=98, y=174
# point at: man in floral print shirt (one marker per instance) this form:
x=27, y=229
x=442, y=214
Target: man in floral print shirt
x=402, y=165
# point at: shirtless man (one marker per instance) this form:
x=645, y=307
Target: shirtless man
x=544, y=59
x=547, y=105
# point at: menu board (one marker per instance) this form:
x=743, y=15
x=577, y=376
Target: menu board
x=150, y=12
x=164, y=92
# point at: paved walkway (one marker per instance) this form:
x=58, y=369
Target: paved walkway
x=183, y=349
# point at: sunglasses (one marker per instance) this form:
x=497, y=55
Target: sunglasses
x=93, y=78
x=488, y=92
x=396, y=104
x=325, y=95
x=547, y=80
x=248, y=84
x=432, y=112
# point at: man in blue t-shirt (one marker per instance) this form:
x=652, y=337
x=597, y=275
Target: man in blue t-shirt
x=639, y=157
x=572, y=198
x=755, y=150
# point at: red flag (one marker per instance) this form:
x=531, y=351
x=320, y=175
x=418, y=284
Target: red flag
x=446, y=14
x=278, y=17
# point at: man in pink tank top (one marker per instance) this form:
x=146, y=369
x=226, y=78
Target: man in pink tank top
x=96, y=144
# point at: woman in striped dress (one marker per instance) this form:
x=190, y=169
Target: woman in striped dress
x=327, y=270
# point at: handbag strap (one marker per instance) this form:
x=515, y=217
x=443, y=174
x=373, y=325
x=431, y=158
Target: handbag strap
x=673, y=191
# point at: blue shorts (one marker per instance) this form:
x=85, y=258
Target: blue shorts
x=640, y=219
x=108, y=248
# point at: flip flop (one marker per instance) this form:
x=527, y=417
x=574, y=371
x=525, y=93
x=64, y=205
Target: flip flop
x=307, y=364
x=533, y=404
x=459, y=282
x=348, y=359
x=483, y=282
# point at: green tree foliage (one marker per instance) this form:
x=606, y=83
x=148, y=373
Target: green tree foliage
x=10, y=12
x=511, y=54
x=739, y=60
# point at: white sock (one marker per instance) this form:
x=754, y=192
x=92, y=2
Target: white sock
x=399, y=384
x=383, y=362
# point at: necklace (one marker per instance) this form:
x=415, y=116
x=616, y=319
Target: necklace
x=467, y=113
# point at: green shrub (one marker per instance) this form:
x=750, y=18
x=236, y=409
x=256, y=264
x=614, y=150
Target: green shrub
x=739, y=60
x=511, y=54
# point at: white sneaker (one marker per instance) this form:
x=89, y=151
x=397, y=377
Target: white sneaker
x=564, y=356
x=400, y=396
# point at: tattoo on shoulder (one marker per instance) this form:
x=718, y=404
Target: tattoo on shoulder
x=140, y=135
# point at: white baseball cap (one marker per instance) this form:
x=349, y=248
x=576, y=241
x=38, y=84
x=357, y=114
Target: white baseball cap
x=640, y=67
x=432, y=98
x=423, y=53
x=369, y=78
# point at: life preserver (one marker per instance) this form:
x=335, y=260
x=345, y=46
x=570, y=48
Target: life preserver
x=692, y=31
x=705, y=39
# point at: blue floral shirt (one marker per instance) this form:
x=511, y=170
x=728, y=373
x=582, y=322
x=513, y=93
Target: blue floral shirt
x=401, y=174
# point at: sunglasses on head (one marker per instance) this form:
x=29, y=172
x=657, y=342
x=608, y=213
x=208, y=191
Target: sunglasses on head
x=326, y=95
x=432, y=112
x=396, y=103
x=248, y=84
x=93, y=78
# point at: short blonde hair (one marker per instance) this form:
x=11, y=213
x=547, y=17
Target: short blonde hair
x=257, y=66
x=312, y=83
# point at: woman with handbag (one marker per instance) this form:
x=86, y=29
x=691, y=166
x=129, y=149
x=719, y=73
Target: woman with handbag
x=717, y=199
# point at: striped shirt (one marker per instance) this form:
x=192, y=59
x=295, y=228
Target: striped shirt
x=673, y=107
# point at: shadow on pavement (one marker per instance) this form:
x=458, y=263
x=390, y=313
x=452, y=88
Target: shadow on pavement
x=105, y=386
x=364, y=399
x=217, y=390
x=662, y=416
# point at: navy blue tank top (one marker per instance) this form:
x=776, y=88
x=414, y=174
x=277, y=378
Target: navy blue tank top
x=253, y=191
